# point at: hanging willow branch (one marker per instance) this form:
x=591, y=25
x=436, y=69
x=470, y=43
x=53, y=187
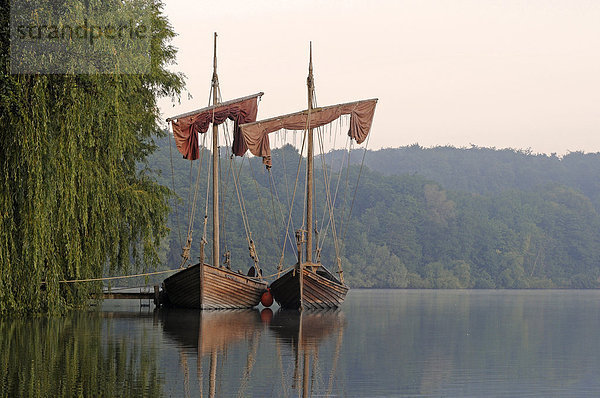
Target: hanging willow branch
x=75, y=197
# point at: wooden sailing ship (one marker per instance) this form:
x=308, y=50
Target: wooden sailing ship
x=309, y=285
x=203, y=285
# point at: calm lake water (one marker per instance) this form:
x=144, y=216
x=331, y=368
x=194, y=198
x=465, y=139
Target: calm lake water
x=382, y=343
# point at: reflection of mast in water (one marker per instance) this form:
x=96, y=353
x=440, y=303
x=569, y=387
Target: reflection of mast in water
x=304, y=332
x=210, y=333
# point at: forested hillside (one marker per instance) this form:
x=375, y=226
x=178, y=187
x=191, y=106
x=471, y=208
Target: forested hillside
x=421, y=218
x=487, y=170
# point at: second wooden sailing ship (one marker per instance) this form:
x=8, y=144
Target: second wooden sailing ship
x=309, y=285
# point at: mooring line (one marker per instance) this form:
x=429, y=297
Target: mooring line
x=137, y=275
x=116, y=277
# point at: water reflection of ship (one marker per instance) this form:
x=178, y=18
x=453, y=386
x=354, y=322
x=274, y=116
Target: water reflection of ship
x=304, y=332
x=211, y=333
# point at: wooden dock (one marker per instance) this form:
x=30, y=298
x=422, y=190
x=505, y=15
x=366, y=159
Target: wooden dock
x=130, y=294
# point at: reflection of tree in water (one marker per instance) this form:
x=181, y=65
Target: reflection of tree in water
x=303, y=333
x=210, y=334
x=83, y=354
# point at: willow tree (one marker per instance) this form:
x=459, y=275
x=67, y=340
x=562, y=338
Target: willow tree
x=76, y=200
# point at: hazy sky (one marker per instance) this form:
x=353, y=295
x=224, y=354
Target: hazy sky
x=520, y=74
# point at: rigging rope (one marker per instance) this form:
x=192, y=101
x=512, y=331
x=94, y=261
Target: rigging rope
x=204, y=241
x=223, y=190
x=186, y=249
x=356, y=188
x=261, y=203
x=239, y=192
x=177, y=220
x=108, y=278
x=303, y=224
x=274, y=188
x=227, y=204
x=287, y=190
x=347, y=188
x=244, y=213
x=323, y=235
x=280, y=265
x=241, y=202
x=329, y=203
x=192, y=213
x=223, y=195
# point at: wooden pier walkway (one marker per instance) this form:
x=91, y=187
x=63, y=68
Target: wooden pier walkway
x=131, y=294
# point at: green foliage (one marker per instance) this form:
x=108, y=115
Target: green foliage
x=74, y=201
x=487, y=170
x=408, y=231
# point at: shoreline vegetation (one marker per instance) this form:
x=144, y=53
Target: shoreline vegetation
x=76, y=198
x=439, y=217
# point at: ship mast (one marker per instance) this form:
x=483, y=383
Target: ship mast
x=309, y=166
x=215, y=165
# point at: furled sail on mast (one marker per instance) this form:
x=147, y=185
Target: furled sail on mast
x=187, y=126
x=255, y=136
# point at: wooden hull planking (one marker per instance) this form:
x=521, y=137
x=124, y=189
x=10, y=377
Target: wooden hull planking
x=223, y=289
x=319, y=292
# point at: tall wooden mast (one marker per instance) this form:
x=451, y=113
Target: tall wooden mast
x=309, y=166
x=215, y=165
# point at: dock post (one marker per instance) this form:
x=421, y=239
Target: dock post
x=156, y=296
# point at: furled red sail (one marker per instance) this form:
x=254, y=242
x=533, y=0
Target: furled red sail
x=256, y=135
x=187, y=126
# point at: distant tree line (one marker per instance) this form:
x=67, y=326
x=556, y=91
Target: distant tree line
x=487, y=170
x=421, y=218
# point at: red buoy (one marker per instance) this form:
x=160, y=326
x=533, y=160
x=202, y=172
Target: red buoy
x=267, y=298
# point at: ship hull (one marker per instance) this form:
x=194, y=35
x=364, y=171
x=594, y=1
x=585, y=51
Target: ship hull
x=222, y=289
x=321, y=290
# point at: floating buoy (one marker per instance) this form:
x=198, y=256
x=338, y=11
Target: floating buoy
x=266, y=315
x=267, y=298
